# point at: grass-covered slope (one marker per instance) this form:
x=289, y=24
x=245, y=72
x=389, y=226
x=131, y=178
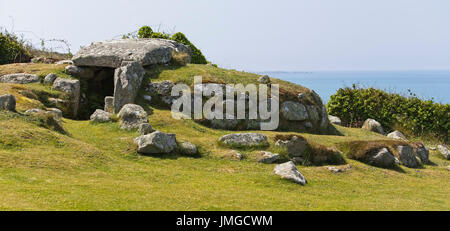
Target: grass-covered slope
x=96, y=167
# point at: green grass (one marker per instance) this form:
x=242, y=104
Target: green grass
x=96, y=167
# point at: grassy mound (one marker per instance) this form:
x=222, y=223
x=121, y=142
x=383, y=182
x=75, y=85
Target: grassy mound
x=97, y=167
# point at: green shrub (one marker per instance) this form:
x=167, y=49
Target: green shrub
x=197, y=57
x=410, y=115
x=145, y=32
x=12, y=49
x=160, y=35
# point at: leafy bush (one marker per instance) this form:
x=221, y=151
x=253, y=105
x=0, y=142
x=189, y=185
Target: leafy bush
x=12, y=49
x=145, y=32
x=410, y=115
x=160, y=35
x=197, y=56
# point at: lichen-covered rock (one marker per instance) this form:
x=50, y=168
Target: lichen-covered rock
x=19, y=78
x=80, y=72
x=131, y=116
x=295, y=146
x=100, y=116
x=8, y=102
x=156, y=143
x=396, y=135
x=288, y=171
x=382, y=158
x=50, y=78
x=145, y=128
x=244, y=140
x=127, y=81
x=335, y=120
x=313, y=113
x=407, y=156
x=268, y=157
x=188, y=148
x=294, y=111
x=72, y=87
x=67, y=61
x=161, y=92
x=113, y=53
x=444, y=151
x=373, y=125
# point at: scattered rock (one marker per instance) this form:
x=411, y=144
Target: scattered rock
x=340, y=169
x=34, y=110
x=8, y=102
x=132, y=116
x=145, y=128
x=72, y=87
x=294, y=111
x=448, y=168
x=127, y=82
x=50, y=78
x=268, y=157
x=295, y=146
x=114, y=52
x=444, y=151
x=383, y=158
x=335, y=120
x=56, y=113
x=244, y=140
x=156, y=143
x=188, y=148
x=100, y=116
x=373, y=125
x=162, y=92
x=288, y=171
x=397, y=135
x=407, y=157
x=20, y=78
x=109, y=104
x=264, y=79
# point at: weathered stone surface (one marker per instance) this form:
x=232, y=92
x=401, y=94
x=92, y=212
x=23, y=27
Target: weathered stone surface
x=80, y=72
x=54, y=112
x=268, y=157
x=50, y=78
x=145, y=128
x=147, y=98
x=100, y=116
x=383, y=158
x=295, y=146
x=244, y=139
x=407, y=157
x=8, y=102
x=109, y=104
x=422, y=152
x=72, y=87
x=373, y=125
x=396, y=135
x=127, y=81
x=294, y=111
x=264, y=79
x=20, y=78
x=288, y=171
x=188, y=148
x=113, y=53
x=324, y=123
x=156, y=143
x=161, y=91
x=339, y=169
x=313, y=113
x=33, y=110
x=67, y=61
x=335, y=120
x=444, y=151
x=132, y=116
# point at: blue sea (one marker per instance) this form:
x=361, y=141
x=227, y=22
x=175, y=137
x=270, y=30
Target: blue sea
x=425, y=84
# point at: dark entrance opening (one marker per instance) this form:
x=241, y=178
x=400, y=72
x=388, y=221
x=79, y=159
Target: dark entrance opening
x=94, y=91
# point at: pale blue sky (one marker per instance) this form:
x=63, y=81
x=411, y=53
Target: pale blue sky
x=260, y=35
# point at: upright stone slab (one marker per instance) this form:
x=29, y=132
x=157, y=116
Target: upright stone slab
x=72, y=87
x=109, y=104
x=7, y=102
x=127, y=81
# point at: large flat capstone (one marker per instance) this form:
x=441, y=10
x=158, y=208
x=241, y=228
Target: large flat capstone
x=113, y=53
